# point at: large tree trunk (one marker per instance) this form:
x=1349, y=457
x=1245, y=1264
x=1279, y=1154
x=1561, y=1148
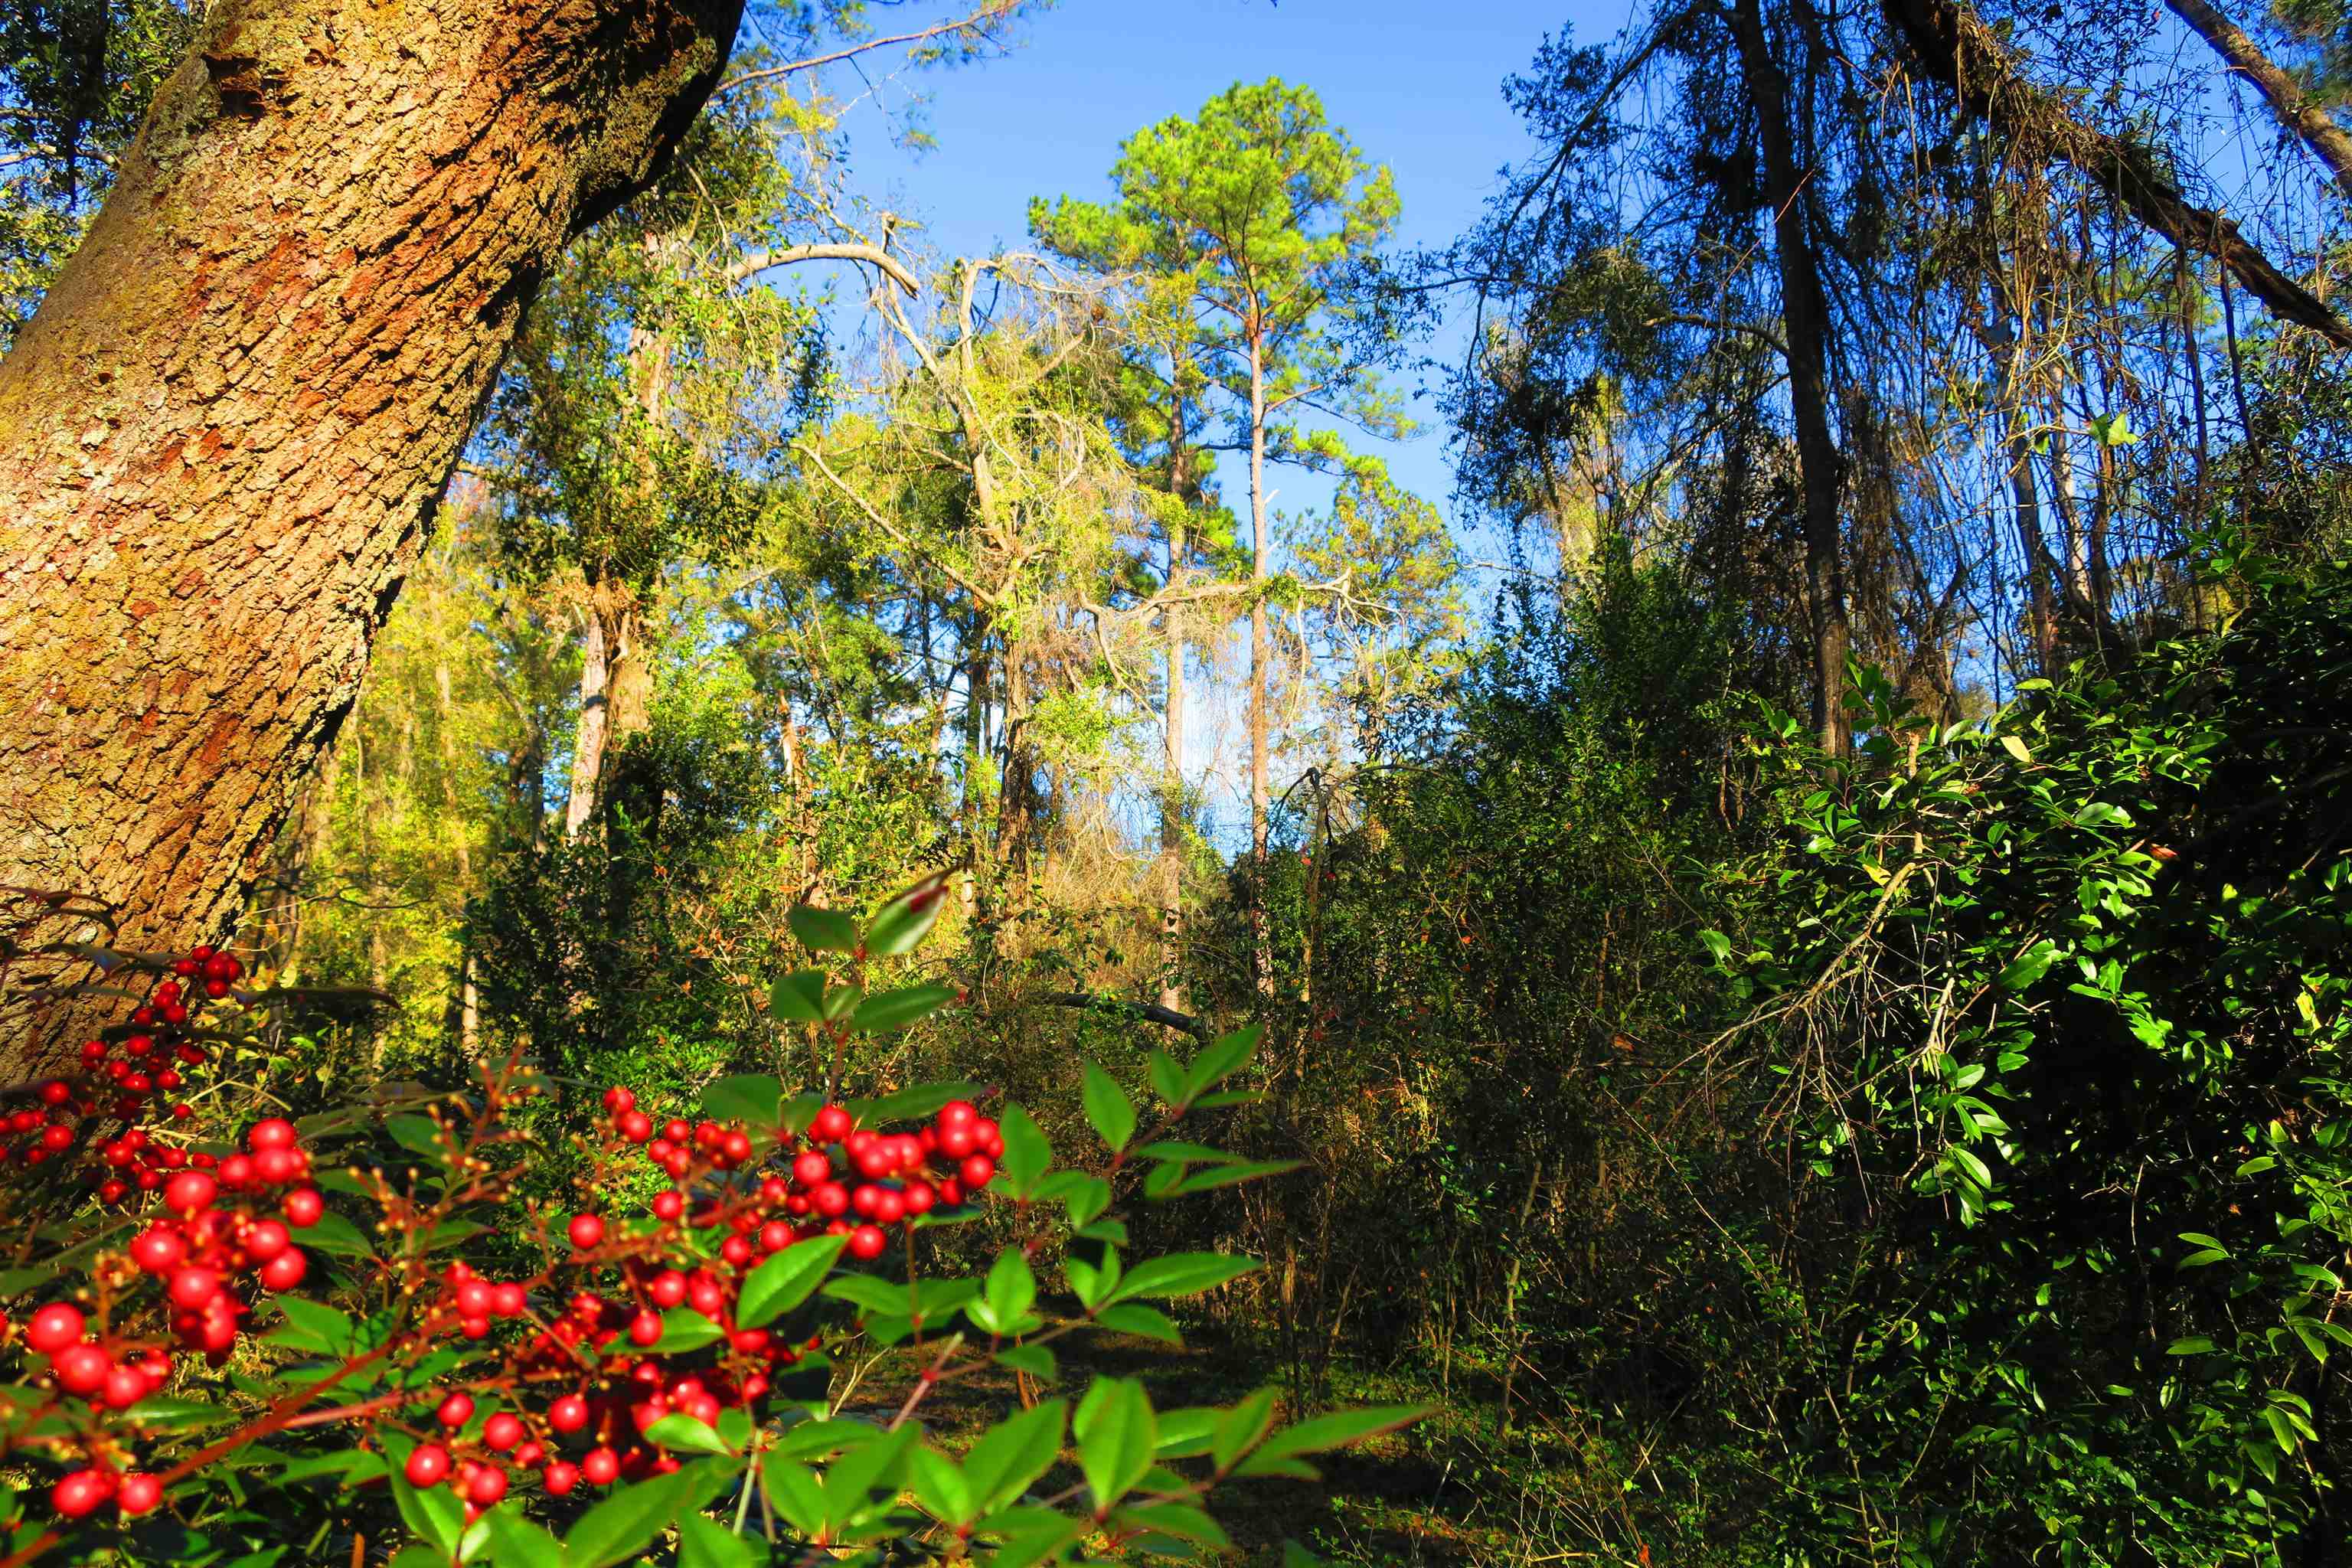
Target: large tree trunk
x=222, y=436
x=1804, y=311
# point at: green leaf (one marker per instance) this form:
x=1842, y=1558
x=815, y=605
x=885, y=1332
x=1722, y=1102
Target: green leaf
x=432, y=1512
x=906, y=919
x=685, y=1433
x=754, y=1100
x=176, y=1415
x=827, y=930
x=1108, y=1111
x=786, y=1279
x=704, y=1543
x=1335, y=1430
x=1167, y=1078
x=336, y=1236
x=1230, y=1176
x=1116, y=1438
x=1133, y=1318
x=1012, y=1455
x=2016, y=748
x=1220, y=1057
x=684, y=1328
x=1026, y=1153
x=939, y=1486
x=1181, y=1274
x=866, y=1475
x=1181, y=1520
x=799, y=998
x=515, y=1540
x=419, y=1135
x=887, y=1010
x=1241, y=1428
x=311, y=1326
x=2029, y=966
x=793, y=1491
x=627, y=1521
x=1717, y=944
x=1010, y=1292
x=1036, y=1360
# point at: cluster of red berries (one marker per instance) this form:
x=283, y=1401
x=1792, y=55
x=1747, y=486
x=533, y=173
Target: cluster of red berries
x=888, y=1179
x=599, y=1348
x=125, y=1086
x=198, y=1248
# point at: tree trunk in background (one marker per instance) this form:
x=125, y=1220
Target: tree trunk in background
x=1804, y=311
x=222, y=435
x=2306, y=119
x=1171, y=806
x=1261, y=939
x=588, y=733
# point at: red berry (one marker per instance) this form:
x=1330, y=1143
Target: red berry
x=559, y=1478
x=508, y=1300
x=489, y=1484
x=668, y=1206
x=54, y=1327
x=646, y=1328
x=957, y=1113
x=678, y=1132
x=636, y=1126
x=976, y=1171
x=600, y=1467
x=82, y=1368
x=832, y=1125
x=428, y=1465
x=277, y=1132
x=266, y=1240
x=190, y=1191
x=80, y=1492
x=125, y=1386
x=619, y=1100
x=586, y=1231
x=138, y=1495
x=194, y=1286
x=56, y=1091
x=502, y=1432
x=866, y=1242
x=668, y=1289
x=736, y=1147
x=456, y=1410
x=286, y=1270
x=568, y=1414
x=303, y=1206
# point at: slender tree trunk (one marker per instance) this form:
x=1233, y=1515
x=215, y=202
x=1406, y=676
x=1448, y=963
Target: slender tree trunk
x=1171, y=804
x=1261, y=939
x=2307, y=121
x=1804, y=311
x=222, y=436
x=595, y=714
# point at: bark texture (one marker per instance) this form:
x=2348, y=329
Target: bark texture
x=1953, y=46
x=223, y=435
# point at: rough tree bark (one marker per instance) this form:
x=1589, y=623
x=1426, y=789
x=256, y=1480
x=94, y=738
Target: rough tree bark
x=1805, y=316
x=223, y=434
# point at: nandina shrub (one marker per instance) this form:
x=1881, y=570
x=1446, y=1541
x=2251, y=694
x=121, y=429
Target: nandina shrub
x=280, y=1347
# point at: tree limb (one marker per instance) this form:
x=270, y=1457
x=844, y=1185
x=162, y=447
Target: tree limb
x=2310, y=122
x=1953, y=45
x=1142, y=1012
x=749, y=267
x=994, y=11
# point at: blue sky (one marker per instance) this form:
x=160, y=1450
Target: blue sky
x=1417, y=84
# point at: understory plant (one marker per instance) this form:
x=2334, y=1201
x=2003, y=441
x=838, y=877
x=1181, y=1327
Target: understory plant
x=380, y=1333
